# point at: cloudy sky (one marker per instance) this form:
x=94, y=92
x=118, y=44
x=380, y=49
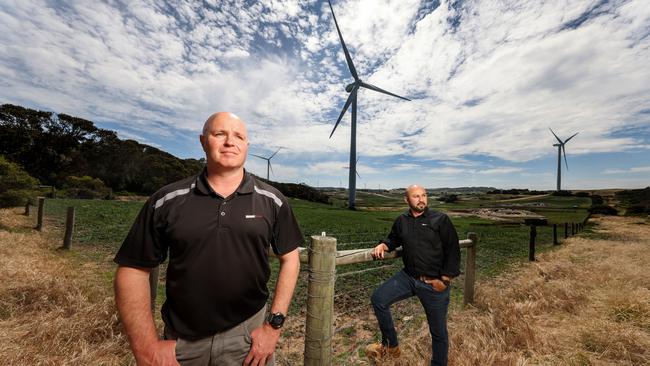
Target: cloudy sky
x=487, y=80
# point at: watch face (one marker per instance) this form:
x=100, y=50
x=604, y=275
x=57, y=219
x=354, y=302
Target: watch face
x=276, y=320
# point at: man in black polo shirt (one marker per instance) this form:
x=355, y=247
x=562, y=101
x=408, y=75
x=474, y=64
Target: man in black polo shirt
x=217, y=228
x=431, y=257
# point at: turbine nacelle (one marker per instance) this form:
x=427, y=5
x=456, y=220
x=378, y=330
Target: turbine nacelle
x=351, y=86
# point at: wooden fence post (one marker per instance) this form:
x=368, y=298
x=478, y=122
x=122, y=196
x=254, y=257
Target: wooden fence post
x=555, y=242
x=320, y=301
x=153, y=286
x=566, y=230
x=531, y=243
x=573, y=229
x=41, y=206
x=26, y=209
x=470, y=270
x=69, y=228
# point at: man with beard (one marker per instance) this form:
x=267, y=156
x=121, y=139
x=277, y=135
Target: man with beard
x=431, y=257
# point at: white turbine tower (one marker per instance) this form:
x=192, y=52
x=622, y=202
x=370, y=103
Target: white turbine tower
x=560, y=151
x=353, y=88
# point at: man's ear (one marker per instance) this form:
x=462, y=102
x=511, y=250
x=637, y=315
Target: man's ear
x=406, y=199
x=202, y=139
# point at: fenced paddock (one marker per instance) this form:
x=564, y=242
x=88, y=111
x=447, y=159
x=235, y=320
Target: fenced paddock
x=103, y=224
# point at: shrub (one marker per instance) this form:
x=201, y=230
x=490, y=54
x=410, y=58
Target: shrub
x=449, y=198
x=16, y=186
x=603, y=210
x=562, y=193
x=597, y=200
x=638, y=209
x=86, y=188
x=637, y=201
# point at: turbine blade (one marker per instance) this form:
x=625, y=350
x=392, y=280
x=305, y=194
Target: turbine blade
x=353, y=71
x=565, y=162
x=271, y=168
x=276, y=151
x=567, y=140
x=353, y=95
x=357, y=174
x=558, y=139
x=261, y=157
x=372, y=87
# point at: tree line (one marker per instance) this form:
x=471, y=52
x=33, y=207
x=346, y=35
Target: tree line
x=69, y=152
x=53, y=147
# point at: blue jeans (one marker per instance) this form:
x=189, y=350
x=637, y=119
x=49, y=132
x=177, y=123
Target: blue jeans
x=402, y=286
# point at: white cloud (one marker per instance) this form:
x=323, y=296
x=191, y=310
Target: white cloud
x=632, y=170
x=487, y=78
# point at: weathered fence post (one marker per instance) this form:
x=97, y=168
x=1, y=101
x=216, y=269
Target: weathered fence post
x=41, y=206
x=573, y=229
x=153, y=286
x=26, y=209
x=470, y=270
x=566, y=230
x=320, y=301
x=531, y=243
x=533, y=223
x=69, y=228
x=555, y=242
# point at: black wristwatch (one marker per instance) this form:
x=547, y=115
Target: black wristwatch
x=276, y=320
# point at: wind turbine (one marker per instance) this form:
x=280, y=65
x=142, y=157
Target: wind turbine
x=560, y=151
x=352, y=100
x=355, y=168
x=268, y=162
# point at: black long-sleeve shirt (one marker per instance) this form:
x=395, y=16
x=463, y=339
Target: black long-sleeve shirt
x=429, y=244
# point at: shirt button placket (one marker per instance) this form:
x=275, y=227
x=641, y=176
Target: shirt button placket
x=222, y=212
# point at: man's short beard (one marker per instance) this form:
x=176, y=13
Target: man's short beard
x=417, y=209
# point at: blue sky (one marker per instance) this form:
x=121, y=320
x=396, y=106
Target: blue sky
x=487, y=79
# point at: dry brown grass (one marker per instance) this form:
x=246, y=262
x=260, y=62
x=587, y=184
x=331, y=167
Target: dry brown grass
x=53, y=311
x=587, y=303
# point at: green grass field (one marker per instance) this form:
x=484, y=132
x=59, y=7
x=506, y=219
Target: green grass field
x=102, y=225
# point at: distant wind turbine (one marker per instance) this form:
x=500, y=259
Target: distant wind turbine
x=352, y=99
x=268, y=162
x=560, y=151
x=355, y=168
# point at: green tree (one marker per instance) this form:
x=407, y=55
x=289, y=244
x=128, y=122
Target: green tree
x=16, y=186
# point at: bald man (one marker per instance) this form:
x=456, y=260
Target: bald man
x=431, y=257
x=216, y=227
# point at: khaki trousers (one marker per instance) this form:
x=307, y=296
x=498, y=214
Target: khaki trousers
x=228, y=348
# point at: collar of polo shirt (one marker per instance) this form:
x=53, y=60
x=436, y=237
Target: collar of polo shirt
x=245, y=187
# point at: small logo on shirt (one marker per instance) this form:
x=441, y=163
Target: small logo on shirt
x=425, y=225
x=253, y=216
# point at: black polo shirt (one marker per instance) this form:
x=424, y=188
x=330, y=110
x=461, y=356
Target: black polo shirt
x=218, y=259
x=429, y=244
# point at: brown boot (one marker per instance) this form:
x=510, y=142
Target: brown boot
x=377, y=351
